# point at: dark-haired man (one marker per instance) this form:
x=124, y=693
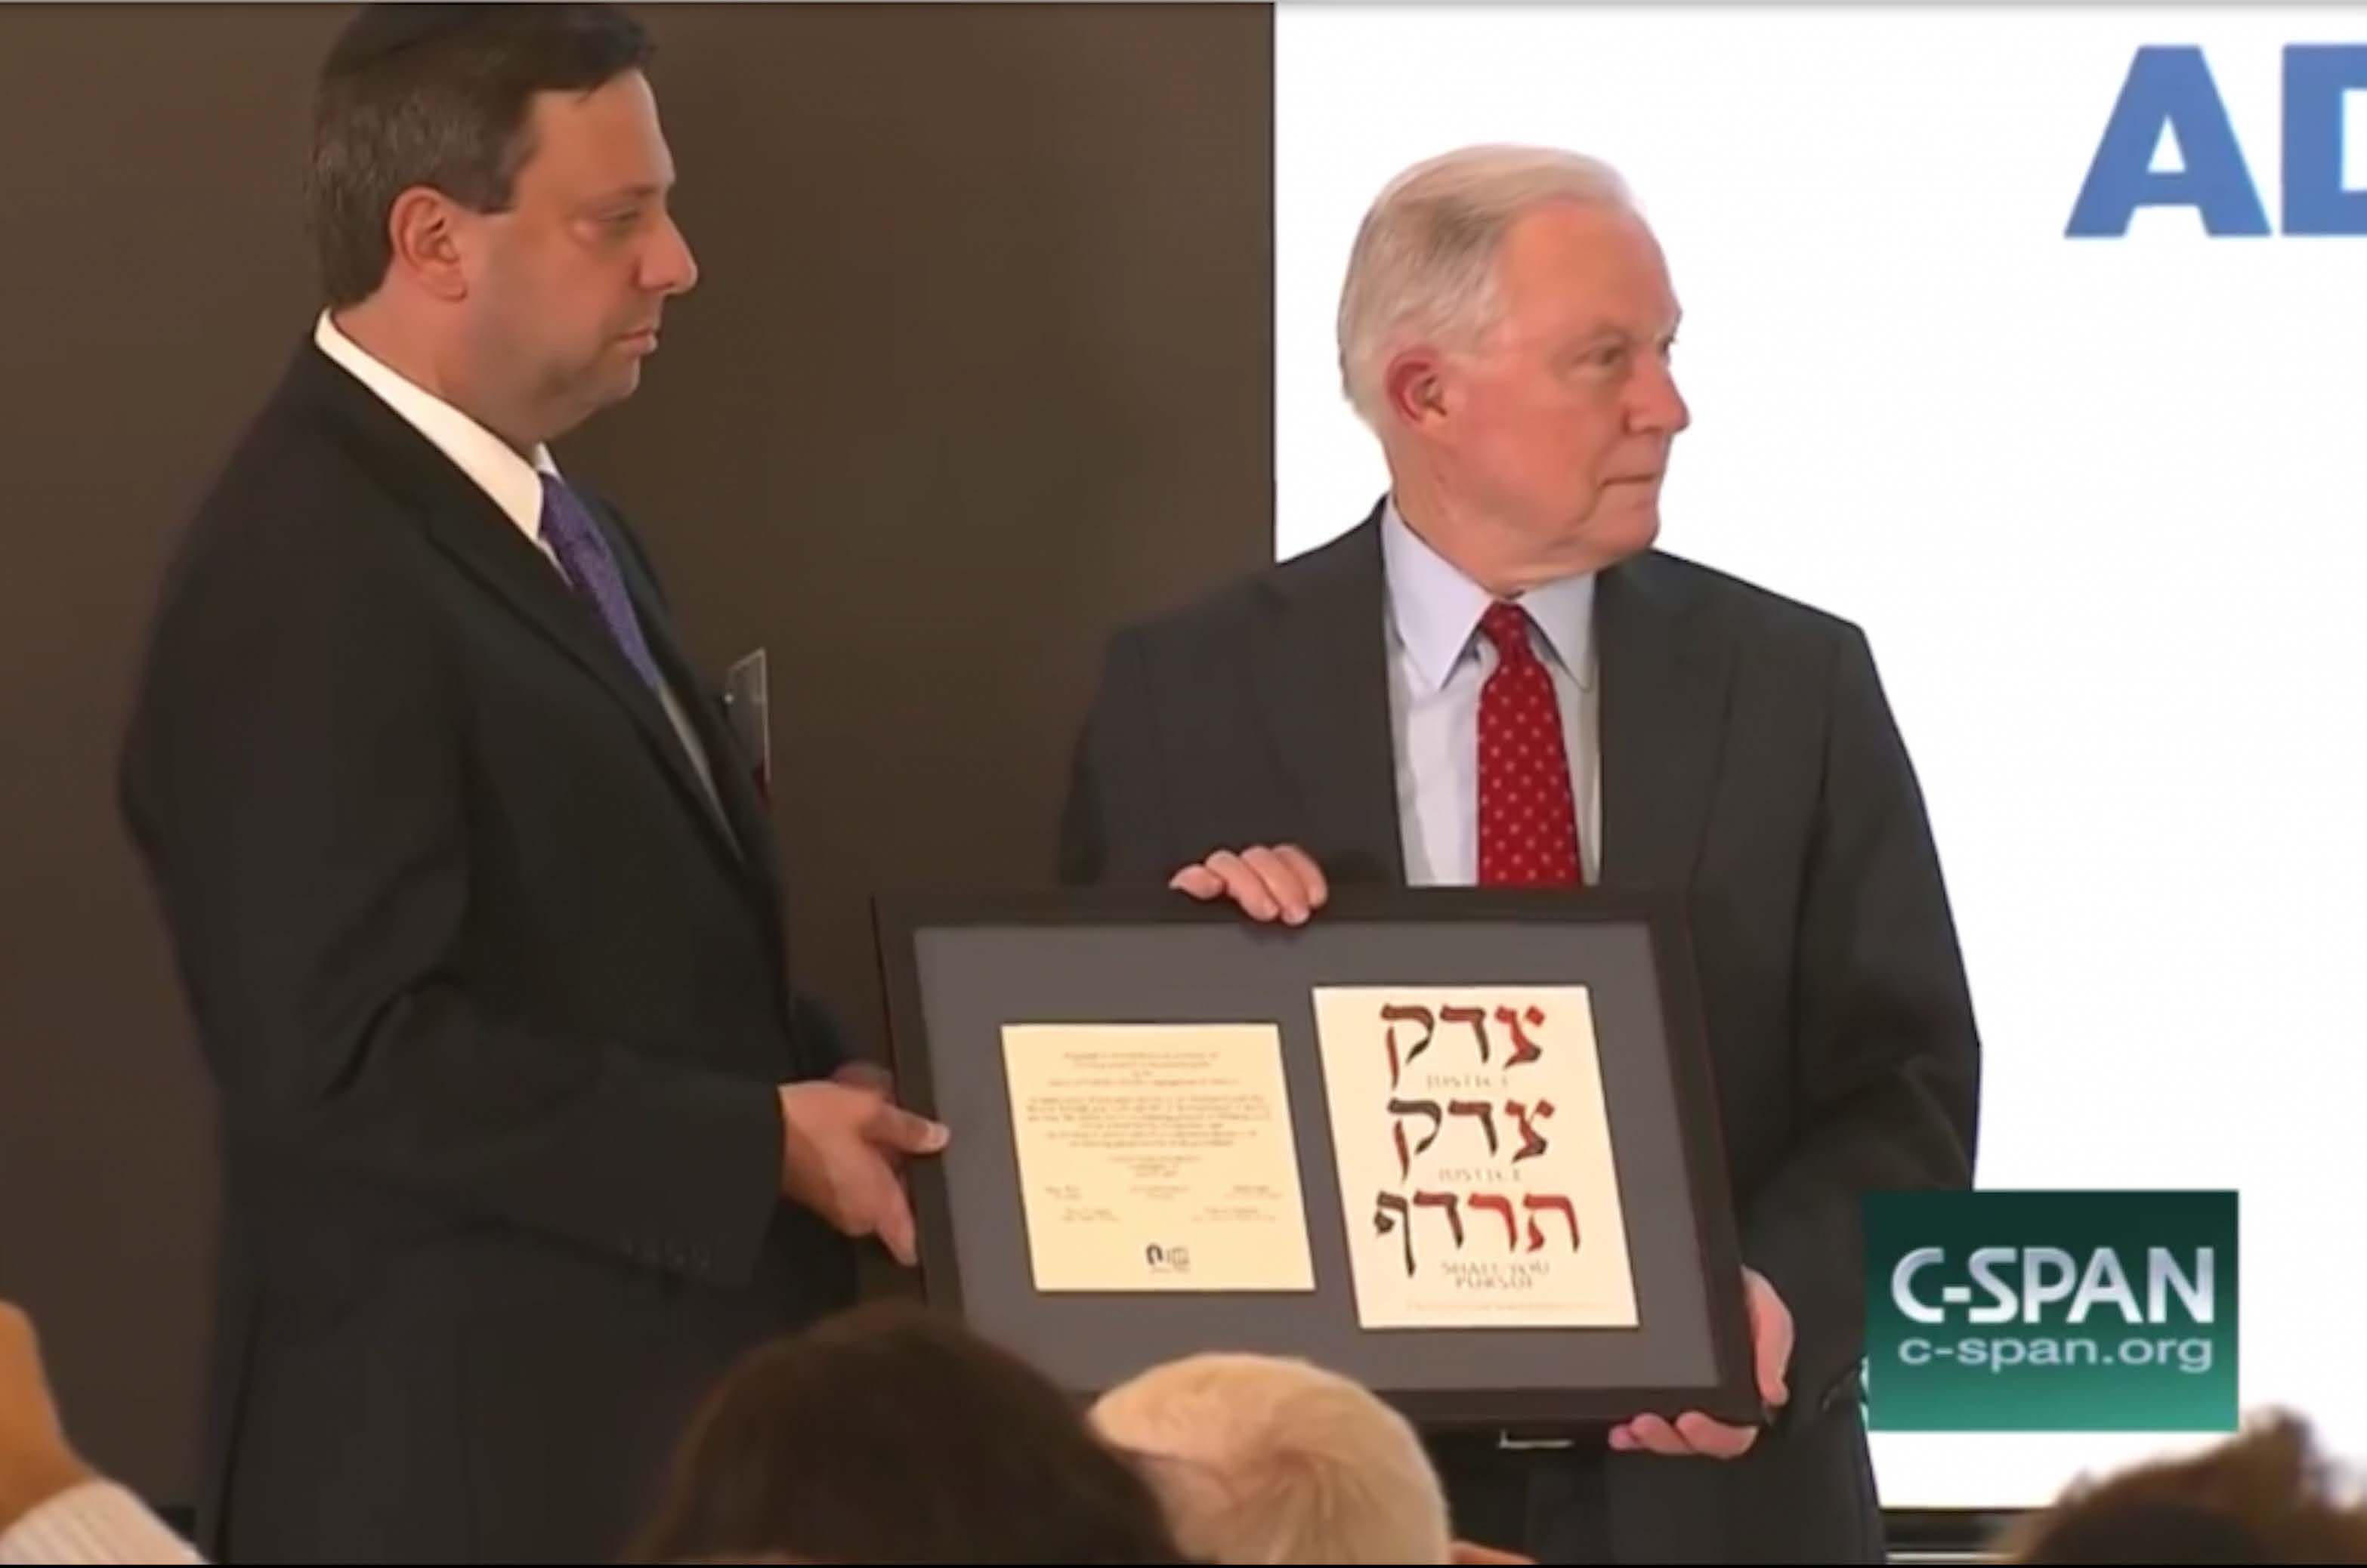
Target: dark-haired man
x=475, y=904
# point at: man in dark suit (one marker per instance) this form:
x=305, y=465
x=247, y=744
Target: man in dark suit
x=473, y=896
x=1496, y=680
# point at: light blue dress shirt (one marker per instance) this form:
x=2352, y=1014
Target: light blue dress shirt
x=1438, y=663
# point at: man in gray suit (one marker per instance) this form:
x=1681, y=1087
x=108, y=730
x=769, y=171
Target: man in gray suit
x=1496, y=680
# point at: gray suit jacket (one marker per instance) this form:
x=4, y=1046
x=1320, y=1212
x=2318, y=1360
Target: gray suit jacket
x=1749, y=760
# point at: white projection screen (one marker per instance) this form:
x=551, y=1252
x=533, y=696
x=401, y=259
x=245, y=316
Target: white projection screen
x=2098, y=502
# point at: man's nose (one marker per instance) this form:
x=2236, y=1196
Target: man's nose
x=1654, y=403
x=670, y=268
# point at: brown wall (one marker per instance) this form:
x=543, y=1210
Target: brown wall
x=979, y=366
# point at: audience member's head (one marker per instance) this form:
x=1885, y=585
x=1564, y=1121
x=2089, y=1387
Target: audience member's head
x=36, y=1463
x=2262, y=1498
x=893, y=1435
x=1263, y=1459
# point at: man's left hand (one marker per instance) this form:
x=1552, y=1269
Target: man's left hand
x=1695, y=1434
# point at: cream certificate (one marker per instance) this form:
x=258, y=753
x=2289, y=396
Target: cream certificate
x=1476, y=1171
x=1157, y=1157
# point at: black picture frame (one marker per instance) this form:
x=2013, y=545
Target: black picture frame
x=1653, y=1034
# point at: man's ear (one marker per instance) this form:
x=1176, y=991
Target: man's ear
x=1414, y=388
x=423, y=227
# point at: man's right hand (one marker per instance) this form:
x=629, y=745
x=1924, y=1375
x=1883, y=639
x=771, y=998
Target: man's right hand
x=841, y=1146
x=1281, y=883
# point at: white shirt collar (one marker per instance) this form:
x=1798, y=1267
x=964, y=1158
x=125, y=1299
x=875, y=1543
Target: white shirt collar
x=513, y=483
x=1435, y=608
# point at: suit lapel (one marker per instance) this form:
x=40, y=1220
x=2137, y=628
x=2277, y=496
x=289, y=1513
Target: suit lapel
x=1665, y=680
x=463, y=522
x=749, y=825
x=1323, y=682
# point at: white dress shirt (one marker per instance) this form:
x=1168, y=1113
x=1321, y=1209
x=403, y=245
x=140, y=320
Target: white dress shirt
x=96, y=1522
x=513, y=483
x=1438, y=663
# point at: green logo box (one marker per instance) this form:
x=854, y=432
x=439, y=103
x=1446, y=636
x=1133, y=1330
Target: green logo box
x=2051, y=1312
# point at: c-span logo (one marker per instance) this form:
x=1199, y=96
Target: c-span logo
x=2057, y=1311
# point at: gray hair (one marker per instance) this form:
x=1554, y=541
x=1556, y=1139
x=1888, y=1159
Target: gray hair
x=1424, y=262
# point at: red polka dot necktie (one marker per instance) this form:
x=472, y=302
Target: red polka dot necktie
x=1528, y=828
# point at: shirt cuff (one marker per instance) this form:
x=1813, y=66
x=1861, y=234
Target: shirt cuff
x=96, y=1522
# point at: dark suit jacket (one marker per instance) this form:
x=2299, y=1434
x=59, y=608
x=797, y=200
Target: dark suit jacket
x=1748, y=759
x=495, y=1004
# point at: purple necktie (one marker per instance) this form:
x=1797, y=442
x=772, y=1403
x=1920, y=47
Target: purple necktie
x=583, y=556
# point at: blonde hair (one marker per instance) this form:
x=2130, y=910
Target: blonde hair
x=1424, y=261
x=1259, y=1459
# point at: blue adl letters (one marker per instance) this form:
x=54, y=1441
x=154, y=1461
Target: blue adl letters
x=2171, y=85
